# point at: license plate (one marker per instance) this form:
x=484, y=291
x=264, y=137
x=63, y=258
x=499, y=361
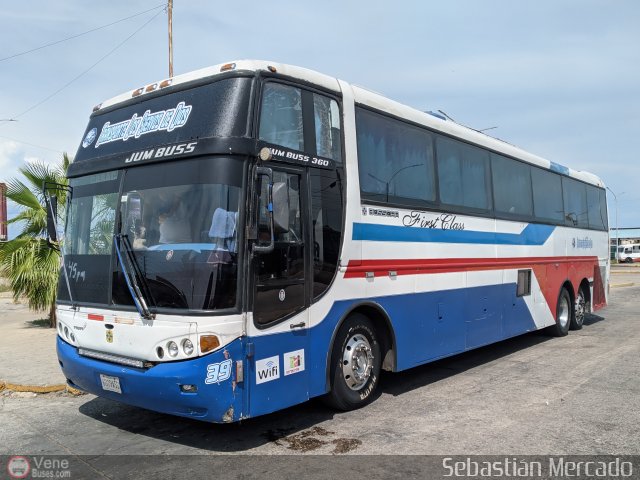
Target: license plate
x=110, y=383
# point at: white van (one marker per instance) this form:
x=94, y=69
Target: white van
x=629, y=253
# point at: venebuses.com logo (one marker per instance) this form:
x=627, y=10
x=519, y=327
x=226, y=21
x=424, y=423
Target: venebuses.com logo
x=37, y=467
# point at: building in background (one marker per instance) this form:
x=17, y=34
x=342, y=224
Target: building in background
x=3, y=212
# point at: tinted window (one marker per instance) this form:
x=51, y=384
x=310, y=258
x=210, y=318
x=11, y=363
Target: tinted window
x=395, y=159
x=511, y=186
x=281, y=116
x=326, y=221
x=547, y=195
x=575, y=203
x=463, y=174
x=603, y=208
x=326, y=116
x=597, y=219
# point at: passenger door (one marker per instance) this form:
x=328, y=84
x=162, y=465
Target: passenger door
x=280, y=301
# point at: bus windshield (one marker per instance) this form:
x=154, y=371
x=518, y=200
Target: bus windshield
x=181, y=222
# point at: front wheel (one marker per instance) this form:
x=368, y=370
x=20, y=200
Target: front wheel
x=564, y=315
x=355, y=364
x=581, y=309
x=629, y=260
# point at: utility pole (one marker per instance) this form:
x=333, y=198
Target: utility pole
x=170, y=12
x=615, y=198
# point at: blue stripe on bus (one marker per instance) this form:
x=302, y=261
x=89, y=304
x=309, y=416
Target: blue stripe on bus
x=533, y=234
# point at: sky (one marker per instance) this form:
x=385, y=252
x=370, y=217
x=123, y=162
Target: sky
x=558, y=78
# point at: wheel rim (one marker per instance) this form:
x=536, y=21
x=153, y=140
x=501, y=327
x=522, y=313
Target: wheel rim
x=580, y=308
x=357, y=362
x=563, y=312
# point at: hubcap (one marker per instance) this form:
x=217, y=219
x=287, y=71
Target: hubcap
x=357, y=362
x=563, y=312
x=580, y=308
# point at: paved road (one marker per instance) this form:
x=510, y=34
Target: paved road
x=532, y=394
x=27, y=346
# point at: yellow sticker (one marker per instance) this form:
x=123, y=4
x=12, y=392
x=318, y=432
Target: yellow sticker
x=109, y=334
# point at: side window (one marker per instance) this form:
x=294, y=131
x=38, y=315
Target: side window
x=395, y=160
x=596, y=219
x=326, y=224
x=547, y=195
x=326, y=116
x=463, y=174
x=511, y=186
x=575, y=203
x=603, y=208
x=281, y=116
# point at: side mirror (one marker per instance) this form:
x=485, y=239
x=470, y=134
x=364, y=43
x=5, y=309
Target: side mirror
x=132, y=213
x=52, y=214
x=280, y=207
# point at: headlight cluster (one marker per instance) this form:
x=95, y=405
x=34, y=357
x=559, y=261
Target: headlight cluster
x=171, y=348
x=65, y=332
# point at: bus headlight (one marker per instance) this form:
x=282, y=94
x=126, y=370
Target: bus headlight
x=187, y=347
x=172, y=349
x=66, y=332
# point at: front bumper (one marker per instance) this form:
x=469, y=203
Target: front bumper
x=158, y=388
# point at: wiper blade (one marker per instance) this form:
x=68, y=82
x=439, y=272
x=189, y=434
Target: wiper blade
x=132, y=278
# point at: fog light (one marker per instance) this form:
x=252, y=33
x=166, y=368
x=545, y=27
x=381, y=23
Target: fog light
x=208, y=343
x=172, y=349
x=160, y=352
x=187, y=347
x=66, y=332
x=188, y=388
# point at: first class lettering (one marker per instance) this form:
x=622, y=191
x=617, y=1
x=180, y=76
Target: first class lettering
x=443, y=221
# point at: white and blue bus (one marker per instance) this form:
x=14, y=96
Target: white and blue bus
x=245, y=237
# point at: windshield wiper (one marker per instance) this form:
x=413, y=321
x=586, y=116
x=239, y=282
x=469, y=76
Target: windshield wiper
x=132, y=278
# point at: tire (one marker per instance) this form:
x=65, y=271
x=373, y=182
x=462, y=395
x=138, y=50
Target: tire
x=628, y=260
x=355, y=365
x=564, y=315
x=580, y=309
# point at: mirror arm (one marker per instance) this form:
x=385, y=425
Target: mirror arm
x=50, y=211
x=267, y=172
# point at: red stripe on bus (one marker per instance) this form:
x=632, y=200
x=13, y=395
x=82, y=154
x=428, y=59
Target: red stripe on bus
x=93, y=316
x=358, y=269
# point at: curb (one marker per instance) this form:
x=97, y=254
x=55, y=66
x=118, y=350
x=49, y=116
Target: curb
x=618, y=285
x=13, y=387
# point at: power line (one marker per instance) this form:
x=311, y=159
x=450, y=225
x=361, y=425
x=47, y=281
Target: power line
x=87, y=70
x=31, y=144
x=79, y=34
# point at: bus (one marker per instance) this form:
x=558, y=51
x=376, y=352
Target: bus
x=629, y=253
x=243, y=238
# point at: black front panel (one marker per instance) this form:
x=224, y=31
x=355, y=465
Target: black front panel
x=216, y=110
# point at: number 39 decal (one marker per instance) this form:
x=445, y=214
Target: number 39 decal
x=218, y=372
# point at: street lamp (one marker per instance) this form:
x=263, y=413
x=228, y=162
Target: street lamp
x=615, y=198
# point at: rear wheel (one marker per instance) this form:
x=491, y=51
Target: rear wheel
x=581, y=309
x=355, y=364
x=564, y=315
x=629, y=260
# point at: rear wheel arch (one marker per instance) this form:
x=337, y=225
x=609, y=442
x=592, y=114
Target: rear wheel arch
x=386, y=335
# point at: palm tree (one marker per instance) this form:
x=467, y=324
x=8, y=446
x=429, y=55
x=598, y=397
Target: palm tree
x=28, y=261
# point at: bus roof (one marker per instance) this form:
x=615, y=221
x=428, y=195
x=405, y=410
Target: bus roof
x=364, y=97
